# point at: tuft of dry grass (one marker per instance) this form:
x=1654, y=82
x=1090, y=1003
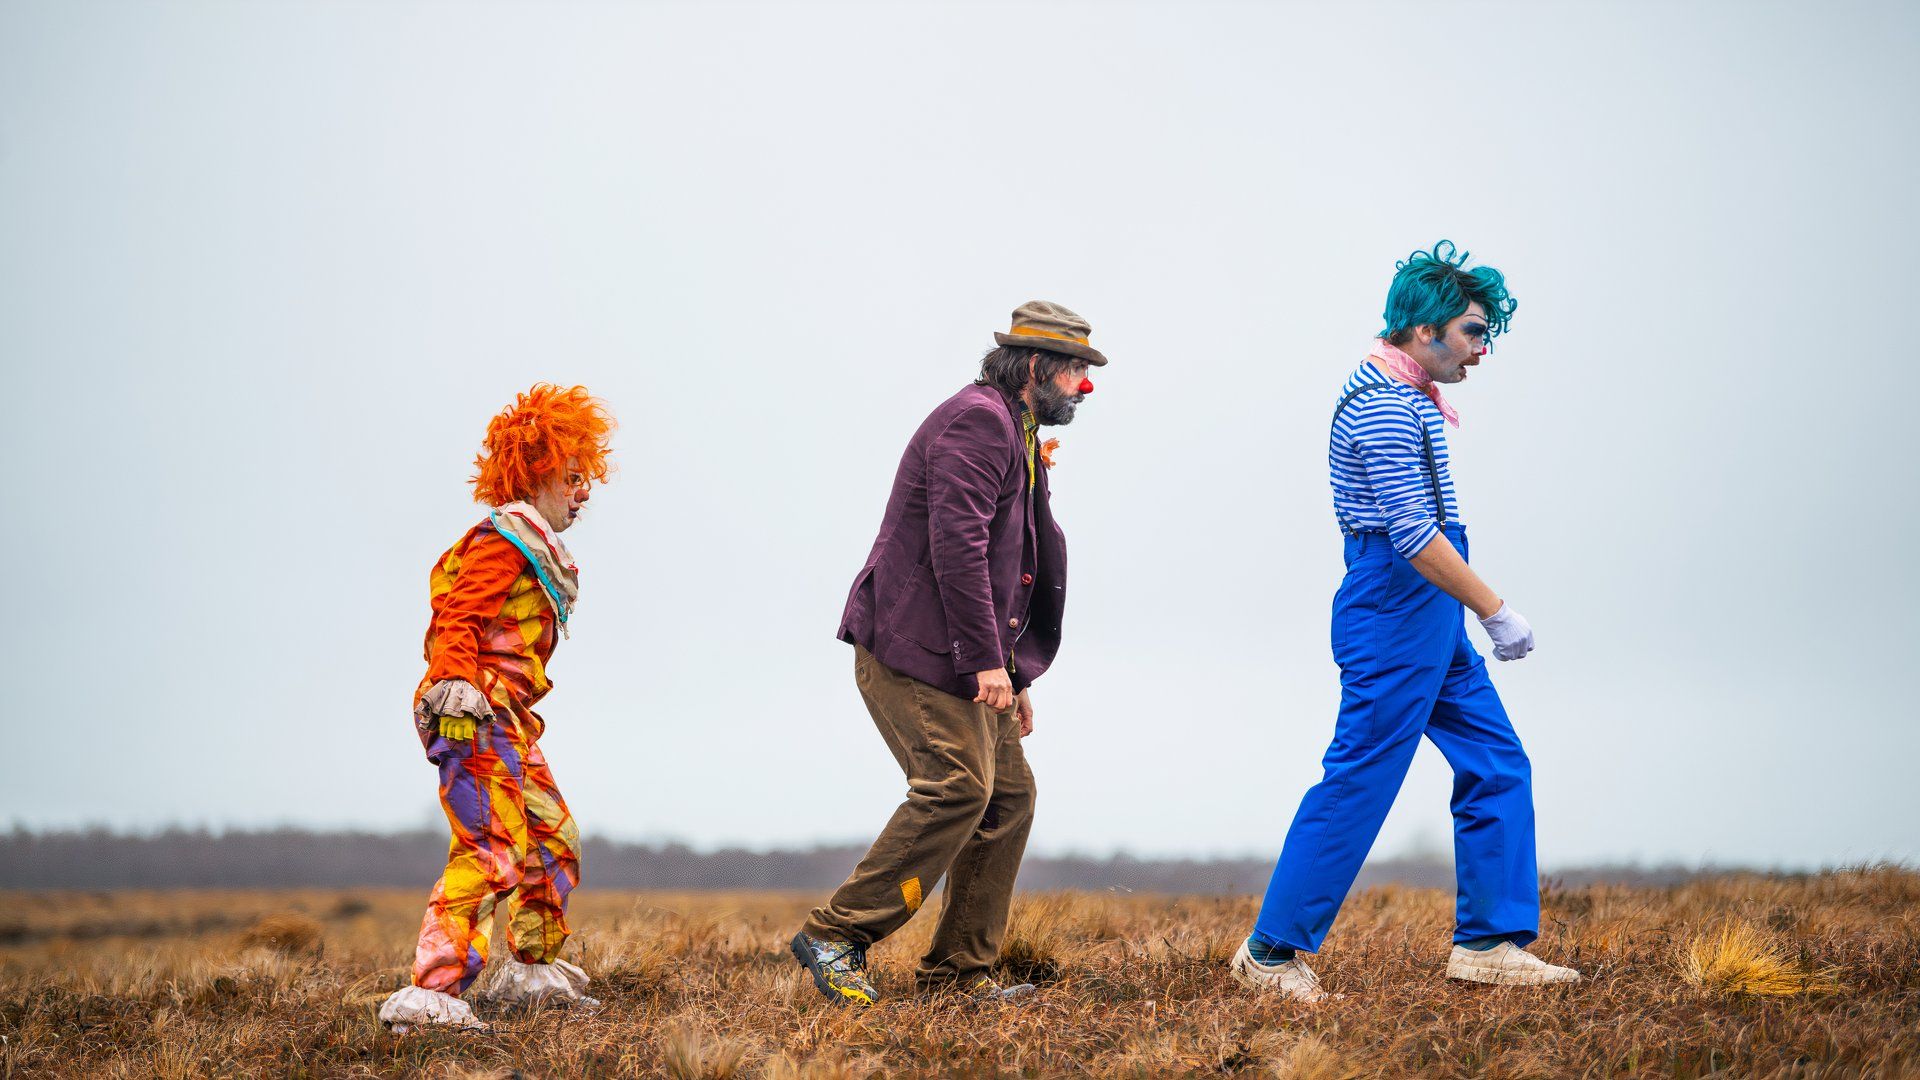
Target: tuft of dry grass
x=290, y=932
x=261, y=983
x=1741, y=959
x=1311, y=1058
x=691, y=1054
x=832, y=1064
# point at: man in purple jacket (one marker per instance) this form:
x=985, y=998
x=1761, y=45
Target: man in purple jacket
x=955, y=614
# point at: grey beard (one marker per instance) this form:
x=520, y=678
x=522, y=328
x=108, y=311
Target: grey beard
x=1051, y=406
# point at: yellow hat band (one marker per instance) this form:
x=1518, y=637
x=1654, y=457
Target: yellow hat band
x=1029, y=331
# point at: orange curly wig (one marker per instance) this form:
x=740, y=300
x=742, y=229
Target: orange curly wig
x=529, y=442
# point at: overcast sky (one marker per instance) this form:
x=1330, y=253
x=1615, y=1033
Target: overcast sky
x=266, y=270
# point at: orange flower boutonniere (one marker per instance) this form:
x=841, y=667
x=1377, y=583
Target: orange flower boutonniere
x=1046, y=452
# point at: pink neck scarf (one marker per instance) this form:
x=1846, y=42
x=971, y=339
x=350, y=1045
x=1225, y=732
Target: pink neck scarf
x=1408, y=370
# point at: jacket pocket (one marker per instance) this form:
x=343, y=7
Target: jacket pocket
x=859, y=605
x=918, y=617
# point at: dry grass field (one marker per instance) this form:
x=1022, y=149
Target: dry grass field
x=1738, y=976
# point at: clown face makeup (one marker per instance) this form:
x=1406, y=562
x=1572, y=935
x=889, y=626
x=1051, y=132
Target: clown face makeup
x=1460, y=345
x=1055, y=399
x=561, y=501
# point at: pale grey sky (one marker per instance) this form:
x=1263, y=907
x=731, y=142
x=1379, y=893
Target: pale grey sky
x=266, y=268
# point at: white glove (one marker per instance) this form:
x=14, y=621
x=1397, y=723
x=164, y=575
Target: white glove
x=1512, y=637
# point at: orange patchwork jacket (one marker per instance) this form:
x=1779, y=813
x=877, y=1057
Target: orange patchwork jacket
x=493, y=625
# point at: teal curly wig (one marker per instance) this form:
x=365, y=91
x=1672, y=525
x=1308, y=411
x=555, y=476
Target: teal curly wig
x=1432, y=287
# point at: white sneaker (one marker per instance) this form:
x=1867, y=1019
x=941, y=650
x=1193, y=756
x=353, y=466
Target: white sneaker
x=413, y=1006
x=1293, y=979
x=558, y=983
x=1505, y=965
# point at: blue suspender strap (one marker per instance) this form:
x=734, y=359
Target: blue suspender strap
x=1426, y=448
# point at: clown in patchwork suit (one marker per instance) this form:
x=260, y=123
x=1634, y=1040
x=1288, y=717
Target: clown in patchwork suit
x=501, y=597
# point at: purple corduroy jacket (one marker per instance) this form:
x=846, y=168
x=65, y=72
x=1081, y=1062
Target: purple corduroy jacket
x=969, y=571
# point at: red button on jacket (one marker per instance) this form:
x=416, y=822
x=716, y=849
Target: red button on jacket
x=1026, y=579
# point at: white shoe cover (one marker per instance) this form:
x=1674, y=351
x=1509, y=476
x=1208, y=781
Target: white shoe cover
x=1293, y=979
x=1505, y=965
x=558, y=983
x=411, y=1006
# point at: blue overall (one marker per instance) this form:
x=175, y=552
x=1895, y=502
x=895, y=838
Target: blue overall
x=1407, y=669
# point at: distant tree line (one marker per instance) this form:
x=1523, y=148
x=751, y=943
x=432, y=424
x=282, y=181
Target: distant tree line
x=290, y=858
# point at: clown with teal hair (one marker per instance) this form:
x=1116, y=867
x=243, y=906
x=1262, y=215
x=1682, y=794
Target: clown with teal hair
x=1408, y=667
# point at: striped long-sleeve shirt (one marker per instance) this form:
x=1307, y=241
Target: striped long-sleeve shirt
x=1378, y=468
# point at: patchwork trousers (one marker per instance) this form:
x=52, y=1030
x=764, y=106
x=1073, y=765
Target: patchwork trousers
x=968, y=809
x=1407, y=669
x=513, y=839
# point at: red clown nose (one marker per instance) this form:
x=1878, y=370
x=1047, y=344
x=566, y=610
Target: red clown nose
x=1086, y=386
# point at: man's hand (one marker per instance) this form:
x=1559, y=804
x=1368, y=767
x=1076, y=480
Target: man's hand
x=1512, y=636
x=996, y=688
x=1023, y=708
x=458, y=727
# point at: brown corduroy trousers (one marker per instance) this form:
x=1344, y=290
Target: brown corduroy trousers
x=969, y=806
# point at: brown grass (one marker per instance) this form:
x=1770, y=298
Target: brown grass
x=1686, y=981
x=1743, y=959
x=289, y=932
